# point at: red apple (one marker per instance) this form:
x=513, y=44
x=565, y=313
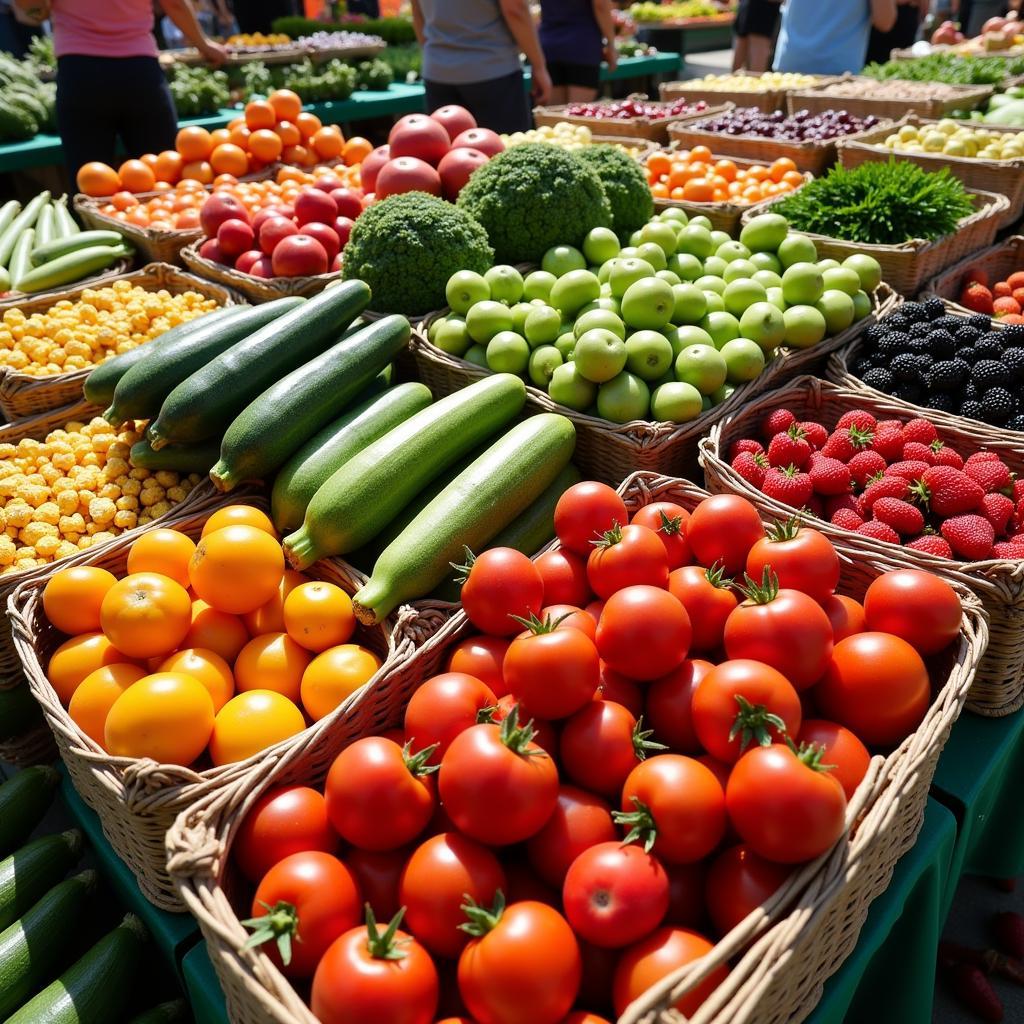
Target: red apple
x=287, y=210
x=480, y=138
x=348, y=201
x=315, y=207
x=299, y=256
x=456, y=167
x=454, y=119
x=407, y=174
x=336, y=264
x=369, y=199
x=273, y=231
x=370, y=167
x=419, y=136
x=219, y=208
x=326, y=236
x=211, y=250
x=328, y=183
x=247, y=260
x=267, y=213
x=343, y=228
x=235, y=237
x=263, y=267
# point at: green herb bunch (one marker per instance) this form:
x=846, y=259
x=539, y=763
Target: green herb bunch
x=949, y=68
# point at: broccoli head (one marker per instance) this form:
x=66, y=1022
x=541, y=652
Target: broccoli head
x=532, y=197
x=624, y=183
x=407, y=246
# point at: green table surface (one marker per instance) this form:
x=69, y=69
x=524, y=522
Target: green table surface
x=202, y=987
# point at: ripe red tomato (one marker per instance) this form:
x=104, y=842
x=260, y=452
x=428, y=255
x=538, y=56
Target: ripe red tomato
x=285, y=820
x=680, y=802
x=668, y=520
x=600, y=746
x=584, y=513
x=554, y=672
x=482, y=657
x=442, y=707
x=615, y=894
x=502, y=582
x=584, y=1017
x=845, y=756
x=441, y=873
x=524, y=968
x=580, y=820
x=565, y=576
x=359, y=979
x=545, y=733
x=717, y=705
x=658, y=955
x=377, y=797
x=497, y=786
x=784, y=809
x=644, y=632
x=846, y=616
x=723, y=528
x=708, y=599
x=877, y=685
x=627, y=557
x=915, y=606
x=596, y=983
x=377, y=873
x=321, y=901
x=685, y=894
x=669, y=706
x=738, y=882
x=616, y=687
x=802, y=558
x=569, y=616
x=525, y=884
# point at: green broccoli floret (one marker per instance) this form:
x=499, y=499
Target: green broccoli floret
x=407, y=246
x=624, y=184
x=532, y=197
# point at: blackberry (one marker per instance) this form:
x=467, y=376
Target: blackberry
x=945, y=375
x=1013, y=334
x=1013, y=359
x=897, y=321
x=914, y=311
x=924, y=361
x=912, y=393
x=1017, y=423
x=941, y=400
x=904, y=367
x=968, y=355
x=968, y=335
x=969, y=392
x=988, y=373
x=988, y=347
x=861, y=366
x=919, y=345
x=934, y=308
x=893, y=343
x=879, y=377
x=948, y=322
x=997, y=406
x=941, y=344
x=980, y=320
x=971, y=409
x=875, y=333
x=920, y=329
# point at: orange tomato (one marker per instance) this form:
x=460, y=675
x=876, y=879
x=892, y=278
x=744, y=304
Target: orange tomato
x=659, y=190
x=334, y=676
x=123, y=200
x=216, y=631
x=726, y=168
x=269, y=617
x=287, y=104
x=308, y=124
x=781, y=166
x=95, y=696
x=72, y=598
x=162, y=186
x=208, y=667
x=139, y=216
x=198, y=170
x=78, y=657
x=259, y=114
x=794, y=178
x=136, y=176
x=698, y=190
x=328, y=144
x=251, y=722
x=288, y=133
x=166, y=552
x=240, y=137
x=265, y=144
x=227, y=158
x=186, y=220
x=273, y=661
x=701, y=153
x=166, y=716
x=659, y=164
x=146, y=614
x=149, y=159
x=236, y=569
x=97, y=179
x=319, y=615
x=168, y=166
x=239, y=515
x=218, y=137
x=298, y=155
x=193, y=143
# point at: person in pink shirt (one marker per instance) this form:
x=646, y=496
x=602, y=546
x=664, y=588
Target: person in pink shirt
x=110, y=86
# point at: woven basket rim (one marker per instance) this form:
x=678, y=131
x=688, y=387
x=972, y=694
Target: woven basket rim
x=956, y=91
x=937, y=285
x=643, y=121
x=802, y=145
x=118, y=269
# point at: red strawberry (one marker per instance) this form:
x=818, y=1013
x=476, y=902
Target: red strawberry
x=919, y=429
x=887, y=487
x=830, y=476
x=777, y=422
x=859, y=418
x=844, y=443
x=943, y=455
x=909, y=470
x=900, y=515
x=914, y=451
x=865, y=465
x=977, y=298
x=998, y=510
x=1018, y=515
x=890, y=425
x=880, y=531
x=1008, y=549
x=847, y=519
x=977, y=457
x=1018, y=489
x=970, y=537
x=838, y=501
x=788, y=485
x=815, y=506
x=815, y=433
x=752, y=466
x=745, y=444
x=993, y=476
x=888, y=442
x=789, y=449
x=932, y=544
x=948, y=491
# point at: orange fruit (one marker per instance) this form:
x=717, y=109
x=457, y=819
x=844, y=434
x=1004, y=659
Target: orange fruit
x=199, y=171
x=150, y=160
x=288, y=133
x=123, y=200
x=227, y=158
x=273, y=661
x=698, y=190
x=76, y=658
x=659, y=190
x=193, y=143
x=240, y=137
x=239, y=515
x=136, y=176
x=167, y=716
x=206, y=666
x=701, y=153
x=265, y=144
x=187, y=219
x=250, y=722
x=139, y=216
x=287, y=104
x=146, y=614
x=72, y=598
x=216, y=631
x=269, y=617
x=259, y=114
x=298, y=155
x=218, y=137
x=659, y=164
x=166, y=552
x=168, y=166
x=95, y=696
x=319, y=615
x=97, y=179
x=162, y=186
x=334, y=676
x=327, y=144
x=236, y=569
x=308, y=124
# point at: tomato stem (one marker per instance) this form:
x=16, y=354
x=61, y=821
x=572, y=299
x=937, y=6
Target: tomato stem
x=811, y=754
x=280, y=924
x=518, y=737
x=753, y=722
x=642, y=743
x=760, y=593
x=384, y=946
x=784, y=529
x=540, y=626
x=610, y=537
x=715, y=575
x=482, y=920
x=462, y=571
x=641, y=822
x=418, y=763
x=670, y=525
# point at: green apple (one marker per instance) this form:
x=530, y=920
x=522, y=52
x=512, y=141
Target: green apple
x=716, y=304
x=722, y=394
x=844, y=279
x=695, y=239
x=744, y=360
x=719, y=238
x=538, y=285
x=867, y=269
x=605, y=271
x=805, y=326
x=741, y=294
x=702, y=221
x=605, y=302
x=687, y=266
x=543, y=363
x=676, y=402
x=703, y=366
x=627, y=272
x=674, y=214
x=634, y=238
x=705, y=403
x=452, y=336
x=722, y=326
x=566, y=345
x=660, y=234
x=624, y=398
x=606, y=290
x=543, y=324
x=628, y=252
x=763, y=323
x=715, y=266
x=486, y=319
x=434, y=324
x=796, y=248
x=767, y=278
x=827, y=264
x=508, y=352
x=691, y=334
x=560, y=259
x=466, y=288
x=648, y=354
x=654, y=254
x=802, y=284
x=671, y=335
x=766, y=261
x=777, y=299
x=861, y=305
x=603, y=318
x=648, y=304
x=837, y=308
x=601, y=245
x=710, y=283
x=667, y=275
x=574, y=290
x=599, y=355
x=477, y=355
x=506, y=284
x=689, y=305
x=569, y=388
x=765, y=232
x=520, y=311
x=732, y=250
x=739, y=269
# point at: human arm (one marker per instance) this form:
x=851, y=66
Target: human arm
x=417, y=21
x=183, y=15
x=603, y=17
x=883, y=14
x=516, y=14
x=32, y=12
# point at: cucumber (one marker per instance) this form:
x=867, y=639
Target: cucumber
x=271, y=428
x=20, y=265
x=205, y=403
x=96, y=988
x=44, y=226
x=19, y=711
x=173, y=1012
x=72, y=267
x=61, y=246
x=25, y=219
x=374, y=486
x=139, y=394
x=65, y=218
x=181, y=458
x=499, y=485
x=302, y=475
x=24, y=799
x=31, y=871
x=8, y=212
x=33, y=948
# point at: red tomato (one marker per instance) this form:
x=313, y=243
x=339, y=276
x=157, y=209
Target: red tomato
x=596, y=983
x=594, y=609
x=877, y=685
x=481, y=656
x=668, y=520
x=915, y=606
x=845, y=756
x=627, y=557
x=554, y=672
x=685, y=894
x=377, y=797
x=580, y=820
x=525, y=884
x=600, y=746
x=565, y=576
x=377, y=873
x=802, y=558
x=616, y=687
x=320, y=902
x=584, y=513
x=545, y=733
x=680, y=802
x=442, y=707
x=502, y=582
x=584, y=1017
x=738, y=882
x=669, y=706
x=846, y=616
x=708, y=599
x=286, y=820
x=569, y=616
x=717, y=707
x=524, y=968
x=657, y=956
x=442, y=872
x=497, y=786
x=720, y=769
x=784, y=809
x=644, y=632
x=360, y=980
x=723, y=528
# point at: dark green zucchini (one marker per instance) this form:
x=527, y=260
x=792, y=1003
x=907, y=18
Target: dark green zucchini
x=24, y=799
x=29, y=872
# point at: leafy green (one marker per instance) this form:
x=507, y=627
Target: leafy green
x=406, y=61
x=624, y=183
x=374, y=75
x=394, y=31
x=198, y=90
x=949, y=68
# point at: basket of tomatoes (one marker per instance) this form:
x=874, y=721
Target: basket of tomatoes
x=631, y=786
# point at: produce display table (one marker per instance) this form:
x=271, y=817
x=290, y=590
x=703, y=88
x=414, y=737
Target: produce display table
x=697, y=36
x=202, y=987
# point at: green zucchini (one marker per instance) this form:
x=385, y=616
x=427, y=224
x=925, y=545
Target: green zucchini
x=205, y=403
x=500, y=485
x=19, y=711
x=173, y=1012
x=24, y=799
x=61, y=246
x=34, y=869
x=96, y=988
x=181, y=458
x=8, y=212
x=32, y=949
x=44, y=226
x=25, y=219
x=20, y=264
x=139, y=393
x=66, y=220
x=302, y=475
x=372, y=488
x=271, y=428
x=72, y=267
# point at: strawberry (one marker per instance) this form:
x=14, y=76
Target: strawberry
x=815, y=506
x=880, y=531
x=993, y=476
x=998, y=510
x=788, y=485
x=847, y=519
x=830, y=476
x=903, y=517
x=943, y=455
x=865, y=465
x=745, y=444
x=915, y=451
x=977, y=298
x=838, y=501
x=752, y=466
x=909, y=470
x=948, y=491
x=1018, y=489
x=1018, y=515
x=970, y=537
x=777, y=422
x=932, y=544
x=789, y=449
x=887, y=487
x=919, y=429
x=815, y=433
x=859, y=418
x=888, y=442
x=973, y=460
x=1011, y=549
x=844, y=443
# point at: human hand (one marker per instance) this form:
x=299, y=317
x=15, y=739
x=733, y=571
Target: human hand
x=32, y=12
x=214, y=53
x=541, y=88
x=611, y=55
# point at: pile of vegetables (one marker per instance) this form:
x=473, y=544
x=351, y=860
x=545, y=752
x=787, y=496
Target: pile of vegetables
x=198, y=90
x=27, y=105
x=949, y=68
x=394, y=31
x=625, y=186
x=334, y=80
x=374, y=75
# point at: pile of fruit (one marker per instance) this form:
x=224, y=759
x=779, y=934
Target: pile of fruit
x=801, y=126
x=338, y=40
x=697, y=176
x=901, y=89
x=954, y=138
x=891, y=480
x=743, y=81
x=564, y=133
x=1003, y=300
x=257, y=40
x=625, y=110
x=665, y=328
x=680, y=10
x=209, y=648
x=627, y=761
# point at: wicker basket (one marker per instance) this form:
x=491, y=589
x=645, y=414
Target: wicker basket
x=16, y=298
x=828, y=97
x=1004, y=177
x=22, y=395
x=150, y=244
x=655, y=130
x=999, y=686
x=884, y=816
x=1001, y=260
x=768, y=101
x=906, y=267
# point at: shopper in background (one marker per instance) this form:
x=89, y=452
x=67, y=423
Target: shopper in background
x=16, y=31
x=972, y=14
x=575, y=35
x=909, y=15
x=471, y=57
x=756, y=24
x=829, y=37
